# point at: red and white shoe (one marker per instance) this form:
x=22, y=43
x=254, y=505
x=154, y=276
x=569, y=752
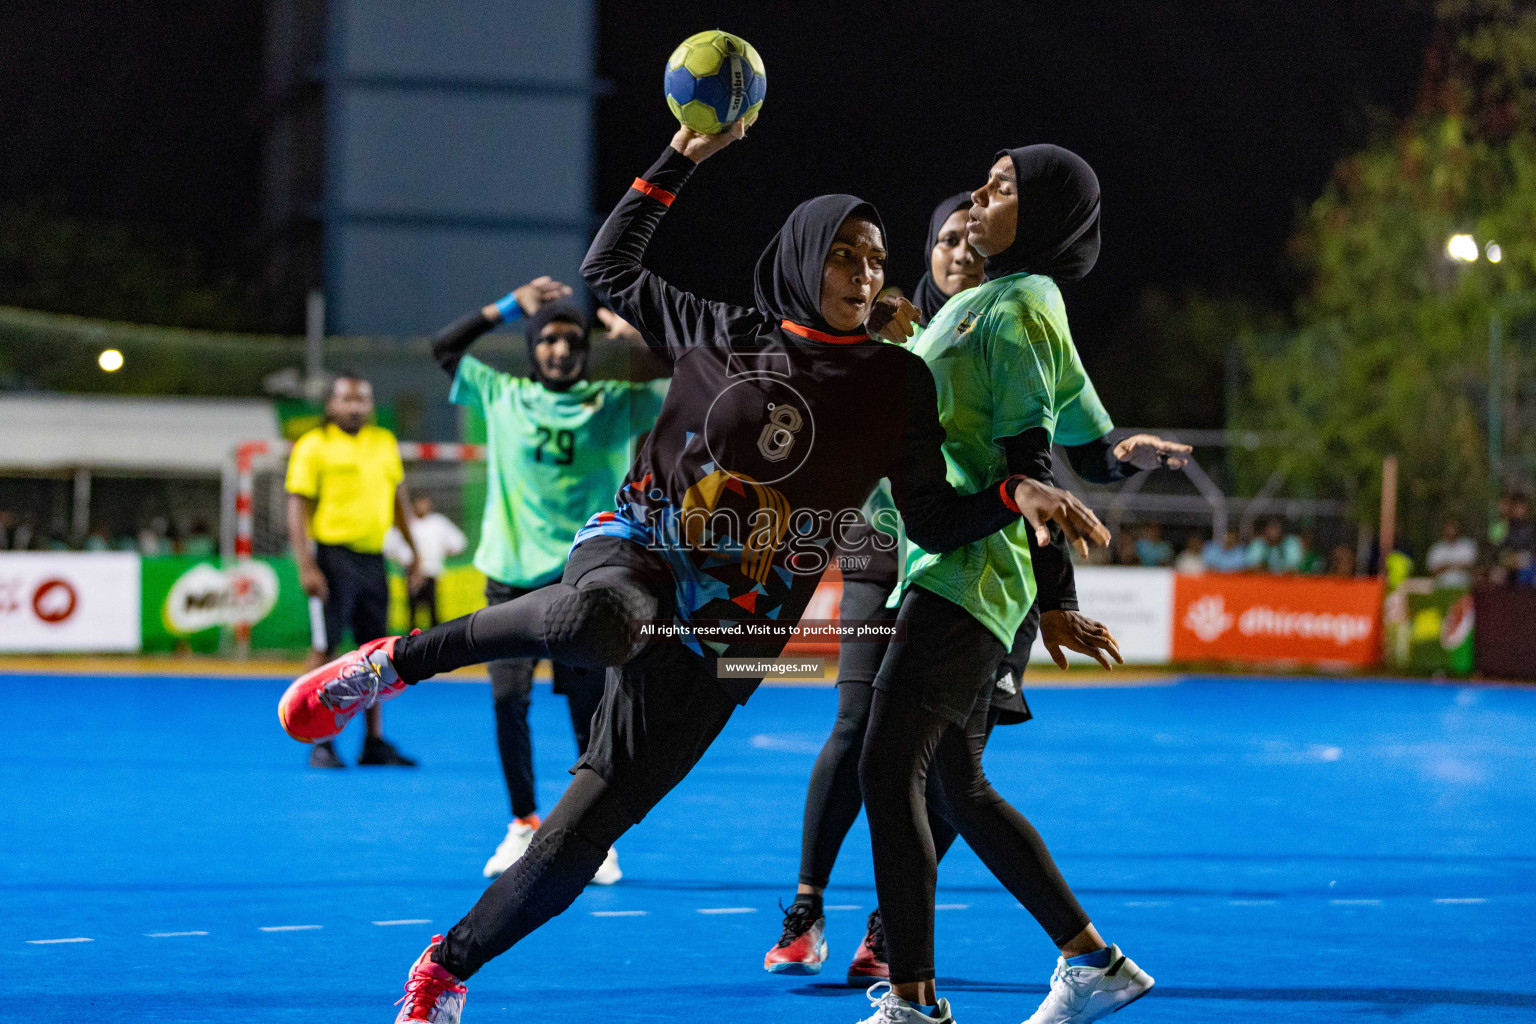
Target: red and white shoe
x=432, y=994
x=320, y=703
x=869, y=962
x=802, y=949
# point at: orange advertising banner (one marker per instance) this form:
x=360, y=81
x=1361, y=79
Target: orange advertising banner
x=1277, y=619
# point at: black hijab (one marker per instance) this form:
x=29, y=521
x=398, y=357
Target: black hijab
x=928, y=296
x=565, y=312
x=787, y=282
x=1058, y=216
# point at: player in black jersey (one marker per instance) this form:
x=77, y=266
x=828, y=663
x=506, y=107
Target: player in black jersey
x=781, y=418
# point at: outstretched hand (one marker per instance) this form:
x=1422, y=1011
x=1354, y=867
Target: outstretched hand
x=1041, y=503
x=1148, y=451
x=618, y=328
x=1077, y=632
x=892, y=318
x=698, y=147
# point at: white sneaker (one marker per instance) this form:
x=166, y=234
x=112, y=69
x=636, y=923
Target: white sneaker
x=892, y=1009
x=608, y=872
x=1082, y=994
x=519, y=835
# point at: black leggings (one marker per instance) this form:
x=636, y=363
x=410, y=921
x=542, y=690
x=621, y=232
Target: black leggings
x=511, y=695
x=582, y=621
x=833, y=798
x=914, y=723
x=661, y=709
x=658, y=716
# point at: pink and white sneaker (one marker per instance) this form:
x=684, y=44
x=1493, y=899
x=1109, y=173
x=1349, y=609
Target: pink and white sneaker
x=320, y=703
x=432, y=994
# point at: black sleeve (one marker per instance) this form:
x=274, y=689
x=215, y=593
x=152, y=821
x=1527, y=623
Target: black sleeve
x=938, y=518
x=1095, y=462
x=1029, y=454
x=450, y=343
x=669, y=319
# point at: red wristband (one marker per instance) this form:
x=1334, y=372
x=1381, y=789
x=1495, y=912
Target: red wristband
x=1005, y=491
x=661, y=195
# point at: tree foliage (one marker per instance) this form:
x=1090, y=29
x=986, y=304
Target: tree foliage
x=1392, y=351
x=108, y=269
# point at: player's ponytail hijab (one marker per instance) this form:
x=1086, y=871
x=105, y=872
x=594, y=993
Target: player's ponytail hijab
x=787, y=282
x=927, y=296
x=1058, y=233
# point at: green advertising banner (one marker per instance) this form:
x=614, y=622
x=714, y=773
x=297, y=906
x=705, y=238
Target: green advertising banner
x=188, y=601
x=1429, y=629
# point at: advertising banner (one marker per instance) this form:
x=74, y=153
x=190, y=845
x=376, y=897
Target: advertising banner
x=1137, y=606
x=1280, y=620
x=1428, y=629
x=188, y=600
x=69, y=601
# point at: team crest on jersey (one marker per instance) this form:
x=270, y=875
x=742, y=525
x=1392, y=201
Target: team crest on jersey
x=966, y=323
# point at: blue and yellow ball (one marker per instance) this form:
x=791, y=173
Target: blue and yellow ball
x=713, y=80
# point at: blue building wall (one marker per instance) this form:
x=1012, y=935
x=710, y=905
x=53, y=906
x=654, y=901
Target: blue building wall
x=458, y=155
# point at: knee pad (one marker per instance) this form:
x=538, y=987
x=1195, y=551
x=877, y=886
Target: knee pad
x=553, y=871
x=543, y=883
x=590, y=628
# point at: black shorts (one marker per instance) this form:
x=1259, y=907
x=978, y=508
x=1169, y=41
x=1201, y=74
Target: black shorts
x=662, y=710
x=1008, y=695
x=359, y=594
x=947, y=661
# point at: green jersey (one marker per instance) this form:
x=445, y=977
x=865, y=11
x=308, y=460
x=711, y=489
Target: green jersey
x=1003, y=360
x=554, y=458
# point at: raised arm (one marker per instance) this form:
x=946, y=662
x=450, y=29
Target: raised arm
x=450, y=343
x=1100, y=462
x=668, y=318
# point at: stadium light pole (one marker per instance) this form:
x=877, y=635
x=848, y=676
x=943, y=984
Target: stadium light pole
x=1463, y=249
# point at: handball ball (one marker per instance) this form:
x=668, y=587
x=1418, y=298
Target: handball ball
x=713, y=80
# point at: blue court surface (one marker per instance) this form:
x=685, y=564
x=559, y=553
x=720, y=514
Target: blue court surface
x=1270, y=850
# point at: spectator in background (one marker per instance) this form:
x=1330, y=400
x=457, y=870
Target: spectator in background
x=437, y=540
x=1124, y=549
x=1499, y=528
x=1312, y=562
x=1273, y=550
x=155, y=537
x=1190, y=561
x=1151, y=550
x=199, y=541
x=1226, y=555
x=1451, y=558
x=345, y=484
x=1343, y=561
x=1516, y=552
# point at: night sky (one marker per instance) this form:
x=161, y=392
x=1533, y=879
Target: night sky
x=1210, y=125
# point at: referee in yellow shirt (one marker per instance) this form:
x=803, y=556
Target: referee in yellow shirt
x=346, y=486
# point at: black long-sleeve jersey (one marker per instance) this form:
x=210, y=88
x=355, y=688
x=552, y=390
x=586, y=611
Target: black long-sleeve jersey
x=771, y=438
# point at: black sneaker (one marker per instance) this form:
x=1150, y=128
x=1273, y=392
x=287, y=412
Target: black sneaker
x=377, y=750
x=323, y=755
